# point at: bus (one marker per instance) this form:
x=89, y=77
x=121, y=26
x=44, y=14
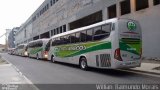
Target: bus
x=11, y=51
x=113, y=44
x=21, y=50
x=36, y=49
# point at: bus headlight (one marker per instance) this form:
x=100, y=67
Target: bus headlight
x=25, y=53
x=46, y=56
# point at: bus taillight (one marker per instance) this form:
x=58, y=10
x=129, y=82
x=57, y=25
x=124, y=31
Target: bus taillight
x=117, y=54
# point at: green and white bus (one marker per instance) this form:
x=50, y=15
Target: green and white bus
x=21, y=50
x=36, y=49
x=114, y=43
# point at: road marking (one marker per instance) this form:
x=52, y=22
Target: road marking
x=27, y=80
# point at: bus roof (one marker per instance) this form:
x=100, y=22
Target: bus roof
x=84, y=28
x=44, y=39
x=22, y=44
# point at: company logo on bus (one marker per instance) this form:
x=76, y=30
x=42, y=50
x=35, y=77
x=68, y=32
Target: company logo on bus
x=131, y=26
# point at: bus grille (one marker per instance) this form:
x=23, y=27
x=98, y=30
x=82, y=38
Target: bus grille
x=103, y=60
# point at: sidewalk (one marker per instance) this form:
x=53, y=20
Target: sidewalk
x=148, y=68
x=10, y=78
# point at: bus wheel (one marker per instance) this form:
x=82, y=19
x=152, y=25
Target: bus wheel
x=53, y=59
x=37, y=57
x=83, y=63
x=28, y=55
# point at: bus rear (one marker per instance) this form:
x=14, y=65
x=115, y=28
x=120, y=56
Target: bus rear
x=128, y=54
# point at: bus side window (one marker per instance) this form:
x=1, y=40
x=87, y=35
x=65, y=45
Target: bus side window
x=48, y=45
x=53, y=42
x=77, y=40
x=26, y=48
x=40, y=44
x=72, y=37
x=67, y=40
x=97, y=32
x=83, y=36
x=106, y=29
x=102, y=31
x=58, y=41
x=89, y=35
x=113, y=26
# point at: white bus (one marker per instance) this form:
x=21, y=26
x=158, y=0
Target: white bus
x=21, y=50
x=114, y=43
x=36, y=49
x=11, y=51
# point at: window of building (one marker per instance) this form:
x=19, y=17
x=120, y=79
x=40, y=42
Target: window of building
x=125, y=7
x=85, y=21
x=54, y=31
x=47, y=6
x=64, y=28
x=51, y=2
x=156, y=2
x=25, y=33
x=57, y=30
x=141, y=4
x=61, y=29
x=112, y=13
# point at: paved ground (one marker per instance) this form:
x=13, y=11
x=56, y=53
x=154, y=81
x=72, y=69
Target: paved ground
x=12, y=79
x=45, y=72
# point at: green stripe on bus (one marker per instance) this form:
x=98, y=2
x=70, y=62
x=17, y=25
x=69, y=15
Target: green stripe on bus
x=126, y=46
x=36, y=50
x=89, y=47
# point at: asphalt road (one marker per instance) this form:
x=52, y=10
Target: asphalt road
x=45, y=72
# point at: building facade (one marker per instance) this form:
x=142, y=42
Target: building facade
x=58, y=16
x=11, y=37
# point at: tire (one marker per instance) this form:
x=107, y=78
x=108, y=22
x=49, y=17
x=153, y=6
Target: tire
x=83, y=63
x=53, y=59
x=29, y=56
x=37, y=57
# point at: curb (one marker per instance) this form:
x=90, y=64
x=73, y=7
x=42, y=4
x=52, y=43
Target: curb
x=148, y=72
x=20, y=73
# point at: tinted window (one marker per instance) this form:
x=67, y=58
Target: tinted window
x=77, y=37
x=106, y=28
x=58, y=41
x=125, y=7
x=53, y=42
x=72, y=38
x=89, y=35
x=47, y=48
x=141, y=4
x=156, y=2
x=63, y=40
x=112, y=13
x=83, y=36
x=102, y=31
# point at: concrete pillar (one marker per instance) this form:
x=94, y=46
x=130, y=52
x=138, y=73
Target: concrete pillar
x=118, y=8
x=150, y=3
x=67, y=27
x=105, y=13
x=133, y=6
